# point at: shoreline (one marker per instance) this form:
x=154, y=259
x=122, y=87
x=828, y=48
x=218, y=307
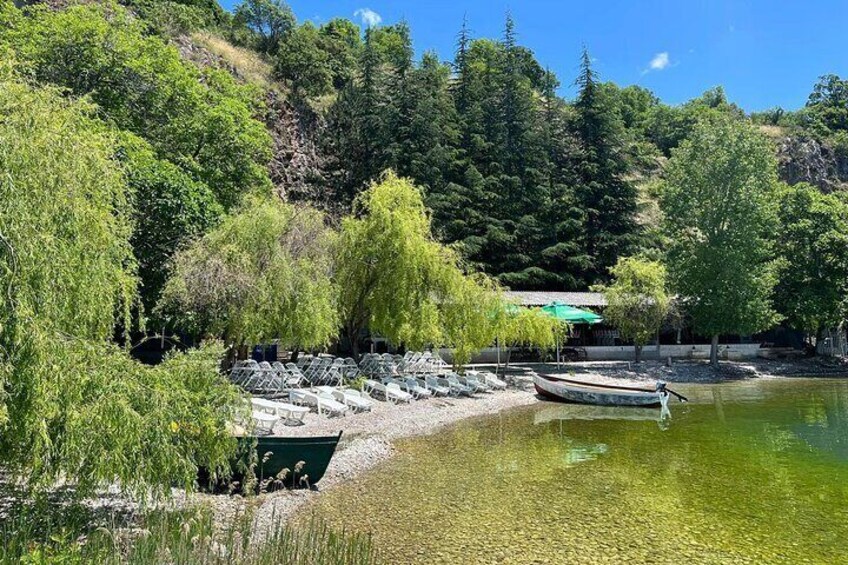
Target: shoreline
x=368, y=438
x=367, y=441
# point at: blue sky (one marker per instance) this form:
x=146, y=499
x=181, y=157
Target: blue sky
x=765, y=54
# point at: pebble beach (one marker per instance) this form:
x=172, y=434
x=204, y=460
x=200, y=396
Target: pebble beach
x=368, y=436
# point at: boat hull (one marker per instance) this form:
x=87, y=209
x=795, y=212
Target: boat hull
x=281, y=462
x=587, y=393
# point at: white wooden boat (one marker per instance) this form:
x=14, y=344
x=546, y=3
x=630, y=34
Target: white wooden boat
x=579, y=392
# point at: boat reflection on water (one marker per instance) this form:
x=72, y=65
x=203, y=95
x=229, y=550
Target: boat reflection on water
x=564, y=412
x=576, y=452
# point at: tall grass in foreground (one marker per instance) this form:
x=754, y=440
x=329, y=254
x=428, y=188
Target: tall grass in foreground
x=175, y=537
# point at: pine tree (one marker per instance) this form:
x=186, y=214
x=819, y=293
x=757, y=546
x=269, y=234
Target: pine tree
x=607, y=199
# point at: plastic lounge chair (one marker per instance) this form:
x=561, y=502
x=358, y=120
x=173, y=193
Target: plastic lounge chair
x=269, y=380
x=291, y=379
x=353, y=399
x=287, y=412
x=322, y=402
x=264, y=422
x=243, y=372
x=456, y=387
x=488, y=378
x=396, y=394
x=473, y=383
x=390, y=392
x=401, y=383
x=431, y=383
x=415, y=389
x=350, y=370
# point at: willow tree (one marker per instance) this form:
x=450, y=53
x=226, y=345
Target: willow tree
x=394, y=278
x=72, y=405
x=719, y=203
x=516, y=326
x=637, y=300
x=263, y=274
x=470, y=315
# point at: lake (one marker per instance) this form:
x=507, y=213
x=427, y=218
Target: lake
x=747, y=472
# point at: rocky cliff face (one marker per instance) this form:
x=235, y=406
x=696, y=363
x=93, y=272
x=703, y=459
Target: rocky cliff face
x=296, y=167
x=803, y=159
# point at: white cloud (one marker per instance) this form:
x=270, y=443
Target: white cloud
x=660, y=61
x=368, y=16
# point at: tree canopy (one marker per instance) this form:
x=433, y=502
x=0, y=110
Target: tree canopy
x=637, y=300
x=73, y=406
x=263, y=274
x=720, y=219
x=395, y=279
x=813, y=248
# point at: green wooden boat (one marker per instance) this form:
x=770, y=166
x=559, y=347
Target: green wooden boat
x=281, y=462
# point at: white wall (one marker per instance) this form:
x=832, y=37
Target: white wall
x=625, y=352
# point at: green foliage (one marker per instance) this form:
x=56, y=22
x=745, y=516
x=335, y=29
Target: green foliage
x=341, y=40
x=528, y=326
x=607, y=199
x=637, y=301
x=470, y=314
x=670, y=125
x=173, y=18
x=827, y=107
x=270, y=21
x=395, y=279
x=813, y=246
x=263, y=274
x=199, y=119
x=169, y=208
x=73, y=406
x=720, y=218
x=303, y=64
x=45, y=534
x=390, y=272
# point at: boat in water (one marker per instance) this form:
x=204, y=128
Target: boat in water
x=580, y=392
x=280, y=462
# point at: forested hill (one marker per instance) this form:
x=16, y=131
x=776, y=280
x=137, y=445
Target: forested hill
x=541, y=191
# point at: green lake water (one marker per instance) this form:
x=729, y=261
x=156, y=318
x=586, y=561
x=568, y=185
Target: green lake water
x=749, y=472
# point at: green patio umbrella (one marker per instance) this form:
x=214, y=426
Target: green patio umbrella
x=571, y=315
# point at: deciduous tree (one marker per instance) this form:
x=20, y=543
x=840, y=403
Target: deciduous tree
x=812, y=288
x=637, y=300
x=73, y=406
x=720, y=217
x=263, y=274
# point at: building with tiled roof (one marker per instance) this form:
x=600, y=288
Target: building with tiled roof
x=541, y=298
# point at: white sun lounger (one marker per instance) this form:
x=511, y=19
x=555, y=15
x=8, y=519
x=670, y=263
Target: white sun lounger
x=488, y=378
x=431, y=383
x=410, y=385
x=351, y=398
x=456, y=387
x=322, y=402
x=473, y=383
x=264, y=422
x=391, y=392
x=284, y=410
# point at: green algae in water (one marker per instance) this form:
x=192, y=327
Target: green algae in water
x=753, y=472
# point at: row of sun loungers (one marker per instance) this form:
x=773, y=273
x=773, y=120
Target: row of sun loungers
x=317, y=383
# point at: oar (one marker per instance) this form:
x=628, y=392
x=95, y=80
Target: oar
x=680, y=397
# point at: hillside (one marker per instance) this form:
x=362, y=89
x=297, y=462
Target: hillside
x=540, y=191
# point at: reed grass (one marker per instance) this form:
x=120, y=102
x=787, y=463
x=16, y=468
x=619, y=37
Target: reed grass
x=40, y=534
